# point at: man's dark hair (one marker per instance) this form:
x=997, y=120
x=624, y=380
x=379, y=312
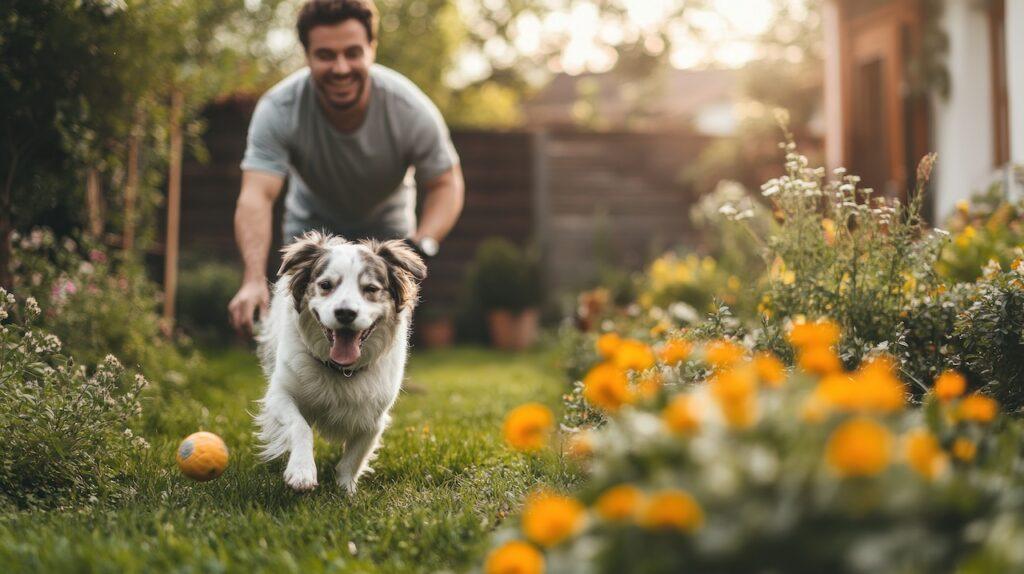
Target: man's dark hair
x=329, y=12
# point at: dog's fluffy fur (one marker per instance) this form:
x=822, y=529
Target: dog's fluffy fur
x=333, y=350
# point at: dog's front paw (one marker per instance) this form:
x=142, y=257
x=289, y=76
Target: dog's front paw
x=347, y=483
x=301, y=477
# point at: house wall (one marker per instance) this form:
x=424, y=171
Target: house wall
x=1015, y=84
x=963, y=134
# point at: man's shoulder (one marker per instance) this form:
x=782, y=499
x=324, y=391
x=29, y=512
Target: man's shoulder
x=288, y=92
x=400, y=89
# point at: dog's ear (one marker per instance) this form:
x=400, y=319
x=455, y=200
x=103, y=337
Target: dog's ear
x=405, y=270
x=299, y=260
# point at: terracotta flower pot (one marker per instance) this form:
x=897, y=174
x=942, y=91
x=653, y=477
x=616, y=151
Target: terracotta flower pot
x=513, y=331
x=436, y=333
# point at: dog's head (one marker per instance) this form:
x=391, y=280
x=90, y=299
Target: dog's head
x=351, y=288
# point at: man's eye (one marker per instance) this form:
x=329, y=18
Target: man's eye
x=325, y=285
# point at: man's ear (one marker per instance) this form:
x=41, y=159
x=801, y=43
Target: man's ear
x=405, y=270
x=299, y=260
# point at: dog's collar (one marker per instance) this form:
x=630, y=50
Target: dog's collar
x=349, y=373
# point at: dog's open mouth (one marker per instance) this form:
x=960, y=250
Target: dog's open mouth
x=346, y=344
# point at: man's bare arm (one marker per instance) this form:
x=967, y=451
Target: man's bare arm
x=253, y=221
x=442, y=204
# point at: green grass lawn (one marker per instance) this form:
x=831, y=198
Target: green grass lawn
x=443, y=481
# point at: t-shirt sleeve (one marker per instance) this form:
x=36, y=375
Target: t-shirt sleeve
x=266, y=147
x=431, y=146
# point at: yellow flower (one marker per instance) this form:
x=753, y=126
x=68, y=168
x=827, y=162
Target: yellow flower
x=819, y=334
x=549, y=518
x=978, y=408
x=819, y=360
x=632, y=354
x=675, y=351
x=829, y=228
x=607, y=344
x=924, y=454
x=963, y=206
x=723, y=353
x=859, y=447
x=528, y=427
x=672, y=509
x=607, y=387
x=950, y=385
x=659, y=329
x=770, y=370
x=964, y=449
x=515, y=557
x=681, y=415
x=619, y=503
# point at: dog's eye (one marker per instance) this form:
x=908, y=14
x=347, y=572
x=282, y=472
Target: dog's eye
x=325, y=285
x=371, y=288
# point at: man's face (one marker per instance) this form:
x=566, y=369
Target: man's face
x=339, y=59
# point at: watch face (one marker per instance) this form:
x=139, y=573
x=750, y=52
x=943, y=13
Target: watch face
x=429, y=246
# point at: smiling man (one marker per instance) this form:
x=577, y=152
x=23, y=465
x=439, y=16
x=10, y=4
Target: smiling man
x=353, y=139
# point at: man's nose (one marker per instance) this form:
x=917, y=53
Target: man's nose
x=341, y=66
x=344, y=315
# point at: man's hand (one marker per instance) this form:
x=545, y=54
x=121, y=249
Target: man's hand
x=253, y=295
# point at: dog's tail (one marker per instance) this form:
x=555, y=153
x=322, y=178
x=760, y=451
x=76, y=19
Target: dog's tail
x=271, y=434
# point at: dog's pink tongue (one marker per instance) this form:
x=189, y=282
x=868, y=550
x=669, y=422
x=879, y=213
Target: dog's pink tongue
x=345, y=350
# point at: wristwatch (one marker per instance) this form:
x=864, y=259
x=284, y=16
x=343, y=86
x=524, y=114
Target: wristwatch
x=426, y=247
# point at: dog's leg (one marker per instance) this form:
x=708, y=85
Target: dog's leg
x=284, y=429
x=359, y=451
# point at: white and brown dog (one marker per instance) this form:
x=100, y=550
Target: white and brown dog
x=333, y=350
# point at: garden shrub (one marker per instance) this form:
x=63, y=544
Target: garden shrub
x=505, y=276
x=988, y=228
x=67, y=431
x=730, y=462
x=204, y=291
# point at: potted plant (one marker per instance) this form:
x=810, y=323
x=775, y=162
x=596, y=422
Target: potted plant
x=434, y=327
x=507, y=285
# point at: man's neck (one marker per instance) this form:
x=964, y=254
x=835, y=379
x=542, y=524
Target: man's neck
x=348, y=120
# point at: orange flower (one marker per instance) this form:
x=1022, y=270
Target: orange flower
x=735, y=390
x=964, y=449
x=672, y=509
x=924, y=454
x=528, y=427
x=607, y=344
x=950, y=385
x=859, y=447
x=819, y=334
x=549, y=518
x=877, y=387
x=681, y=416
x=648, y=384
x=819, y=360
x=619, y=503
x=978, y=408
x=829, y=228
x=770, y=370
x=723, y=353
x=632, y=354
x=675, y=351
x=515, y=557
x=606, y=387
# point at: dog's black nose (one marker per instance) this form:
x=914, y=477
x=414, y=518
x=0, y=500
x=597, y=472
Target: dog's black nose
x=345, y=316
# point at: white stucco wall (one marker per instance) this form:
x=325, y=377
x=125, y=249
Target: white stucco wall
x=963, y=122
x=1015, y=84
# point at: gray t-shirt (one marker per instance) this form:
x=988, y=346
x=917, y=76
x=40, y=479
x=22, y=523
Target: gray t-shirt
x=357, y=184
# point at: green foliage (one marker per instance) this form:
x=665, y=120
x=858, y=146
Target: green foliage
x=988, y=228
x=98, y=302
x=67, y=433
x=505, y=276
x=204, y=290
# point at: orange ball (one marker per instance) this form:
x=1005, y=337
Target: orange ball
x=202, y=456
